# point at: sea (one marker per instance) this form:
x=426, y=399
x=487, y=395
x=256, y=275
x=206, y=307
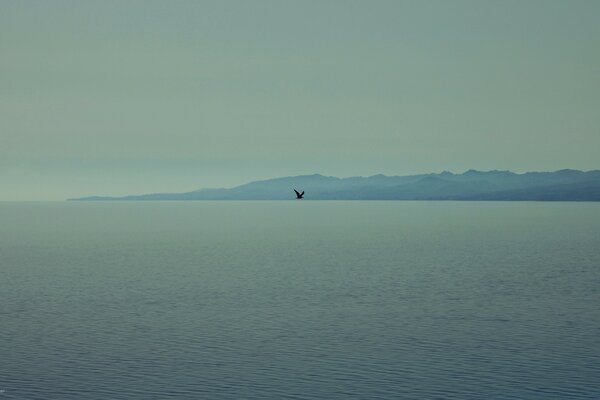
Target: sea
x=299, y=300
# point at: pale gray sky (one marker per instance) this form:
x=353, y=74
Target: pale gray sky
x=124, y=97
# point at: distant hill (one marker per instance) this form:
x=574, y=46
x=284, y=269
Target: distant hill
x=563, y=185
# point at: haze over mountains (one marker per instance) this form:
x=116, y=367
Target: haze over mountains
x=563, y=185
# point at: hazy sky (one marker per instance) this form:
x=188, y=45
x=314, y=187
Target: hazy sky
x=124, y=97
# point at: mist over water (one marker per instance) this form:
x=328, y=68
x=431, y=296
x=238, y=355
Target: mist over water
x=294, y=299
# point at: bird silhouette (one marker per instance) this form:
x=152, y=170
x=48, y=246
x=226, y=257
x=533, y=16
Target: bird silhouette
x=299, y=195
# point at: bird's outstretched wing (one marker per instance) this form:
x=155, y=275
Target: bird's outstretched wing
x=302, y=194
x=297, y=194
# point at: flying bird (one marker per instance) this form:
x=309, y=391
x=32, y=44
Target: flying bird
x=299, y=195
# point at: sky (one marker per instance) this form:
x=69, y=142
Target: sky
x=119, y=97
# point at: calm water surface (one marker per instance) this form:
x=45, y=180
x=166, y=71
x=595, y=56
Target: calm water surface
x=299, y=299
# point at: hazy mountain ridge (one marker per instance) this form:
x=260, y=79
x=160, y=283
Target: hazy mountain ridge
x=562, y=185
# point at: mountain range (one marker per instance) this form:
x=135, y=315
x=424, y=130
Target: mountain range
x=562, y=185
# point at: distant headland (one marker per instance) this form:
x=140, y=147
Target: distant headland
x=562, y=185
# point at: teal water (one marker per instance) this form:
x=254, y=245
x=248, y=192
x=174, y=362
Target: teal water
x=299, y=299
